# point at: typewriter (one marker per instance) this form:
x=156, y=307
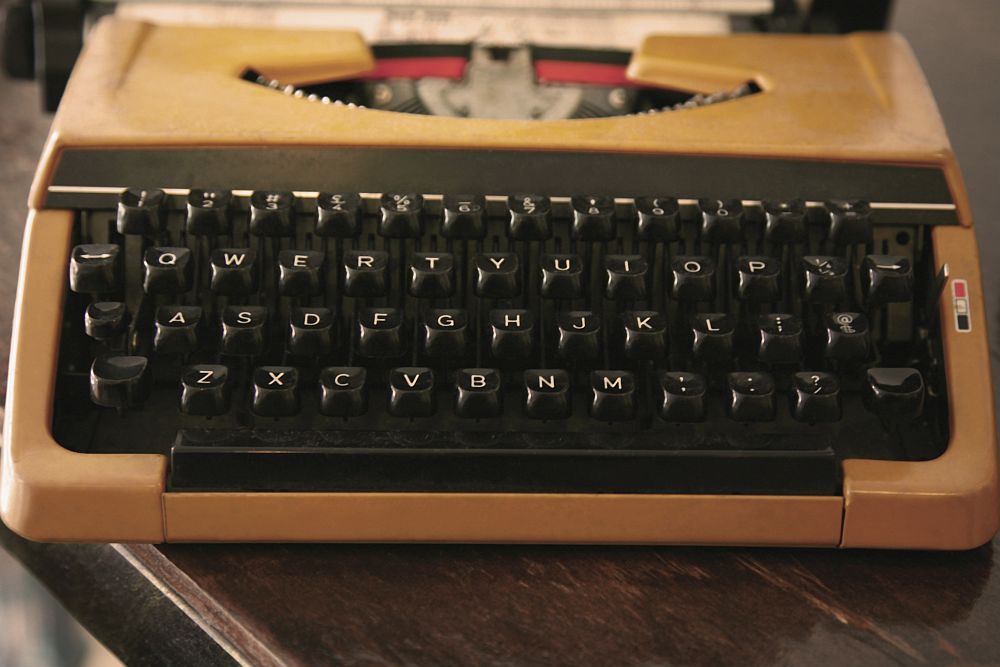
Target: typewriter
x=287, y=286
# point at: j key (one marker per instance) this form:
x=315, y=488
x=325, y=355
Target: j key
x=402, y=216
x=411, y=392
x=780, y=338
x=310, y=331
x=498, y=275
x=512, y=334
x=176, y=329
x=850, y=222
x=167, y=270
x=785, y=222
x=205, y=390
x=825, y=279
x=105, y=320
x=847, y=336
x=299, y=272
x=464, y=217
x=432, y=275
x=365, y=273
x=94, y=268
x=683, y=396
x=530, y=217
x=547, y=394
x=141, y=211
x=208, y=212
x=343, y=391
x=758, y=279
x=338, y=215
x=234, y=271
x=275, y=391
x=119, y=382
x=613, y=395
x=593, y=218
x=693, y=279
x=562, y=276
x=380, y=332
x=887, y=279
x=626, y=277
x=751, y=397
x=721, y=220
x=244, y=330
x=815, y=397
x=477, y=393
x=645, y=334
x=895, y=394
x=658, y=219
x=445, y=334
x=579, y=335
x=713, y=336
x=272, y=213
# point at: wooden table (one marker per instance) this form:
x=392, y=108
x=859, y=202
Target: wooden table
x=458, y=605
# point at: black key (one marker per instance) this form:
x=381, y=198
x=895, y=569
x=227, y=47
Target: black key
x=815, y=397
x=343, y=391
x=825, y=279
x=626, y=277
x=432, y=275
x=310, y=331
x=338, y=215
x=512, y=334
x=887, y=279
x=593, y=218
x=94, y=268
x=751, y=397
x=380, y=332
x=119, y=382
x=613, y=396
x=658, y=219
x=167, y=270
x=530, y=217
x=402, y=216
x=244, y=330
x=780, y=338
x=579, y=335
x=562, y=277
x=847, y=336
x=105, y=320
x=445, y=334
x=464, y=217
x=365, y=273
x=645, y=334
x=850, y=222
x=547, y=394
x=234, y=271
x=208, y=212
x=683, y=396
x=477, y=393
x=205, y=390
x=693, y=279
x=721, y=220
x=141, y=211
x=411, y=392
x=272, y=213
x=895, y=394
x=498, y=275
x=176, y=329
x=275, y=391
x=713, y=336
x=299, y=272
x=785, y=222
x=758, y=279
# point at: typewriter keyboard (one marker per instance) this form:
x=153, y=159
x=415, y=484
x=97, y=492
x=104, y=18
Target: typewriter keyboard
x=407, y=342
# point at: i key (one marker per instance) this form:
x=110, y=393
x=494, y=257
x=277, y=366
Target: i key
x=547, y=394
x=205, y=390
x=380, y=333
x=411, y=392
x=477, y=393
x=275, y=391
x=693, y=279
x=343, y=391
x=141, y=212
x=233, y=271
x=645, y=334
x=613, y=396
x=498, y=275
x=432, y=275
x=244, y=330
x=579, y=335
x=167, y=270
x=272, y=213
x=365, y=273
x=402, y=216
x=310, y=331
x=464, y=217
x=94, y=268
x=626, y=277
x=299, y=272
x=176, y=329
x=338, y=215
x=530, y=217
x=208, y=212
x=593, y=218
x=445, y=333
x=562, y=277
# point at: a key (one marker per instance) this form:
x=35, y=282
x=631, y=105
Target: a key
x=464, y=217
x=758, y=279
x=234, y=271
x=721, y=220
x=432, y=275
x=780, y=336
x=105, y=320
x=562, y=277
x=176, y=329
x=167, y=270
x=445, y=334
x=895, y=394
x=411, y=392
x=244, y=330
x=693, y=279
x=119, y=381
x=547, y=394
x=824, y=279
x=343, y=391
x=713, y=336
x=310, y=331
x=275, y=391
x=366, y=273
x=478, y=394
x=658, y=219
x=94, y=268
x=512, y=334
x=593, y=218
x=530, y=217
x=645, y=334
x=846, y=336
x=784, y=222
x=208, y=212
x=380, y=332
x=299, y=272
x=402, y=216
x=579, y=335
x=626, y=277
x=887, y=279
x=815, y=397
x=272, y=213
x=205, y=390
x=613, y=395
x=682, y=396
x=850, y=222
x=751, y=397
x=338, y=215
x=141, y=212
x=498, y=275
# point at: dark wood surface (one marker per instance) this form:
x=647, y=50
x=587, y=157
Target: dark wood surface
x=458, y=605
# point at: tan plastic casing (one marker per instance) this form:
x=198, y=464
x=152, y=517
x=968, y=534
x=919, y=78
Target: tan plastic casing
x=859, y=98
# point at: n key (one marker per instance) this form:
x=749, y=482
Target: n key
x=546, y=394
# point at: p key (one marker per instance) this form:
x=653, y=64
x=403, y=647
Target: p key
x=758, y=279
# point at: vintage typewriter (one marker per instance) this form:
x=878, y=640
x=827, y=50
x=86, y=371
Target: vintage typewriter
x=284, y=286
